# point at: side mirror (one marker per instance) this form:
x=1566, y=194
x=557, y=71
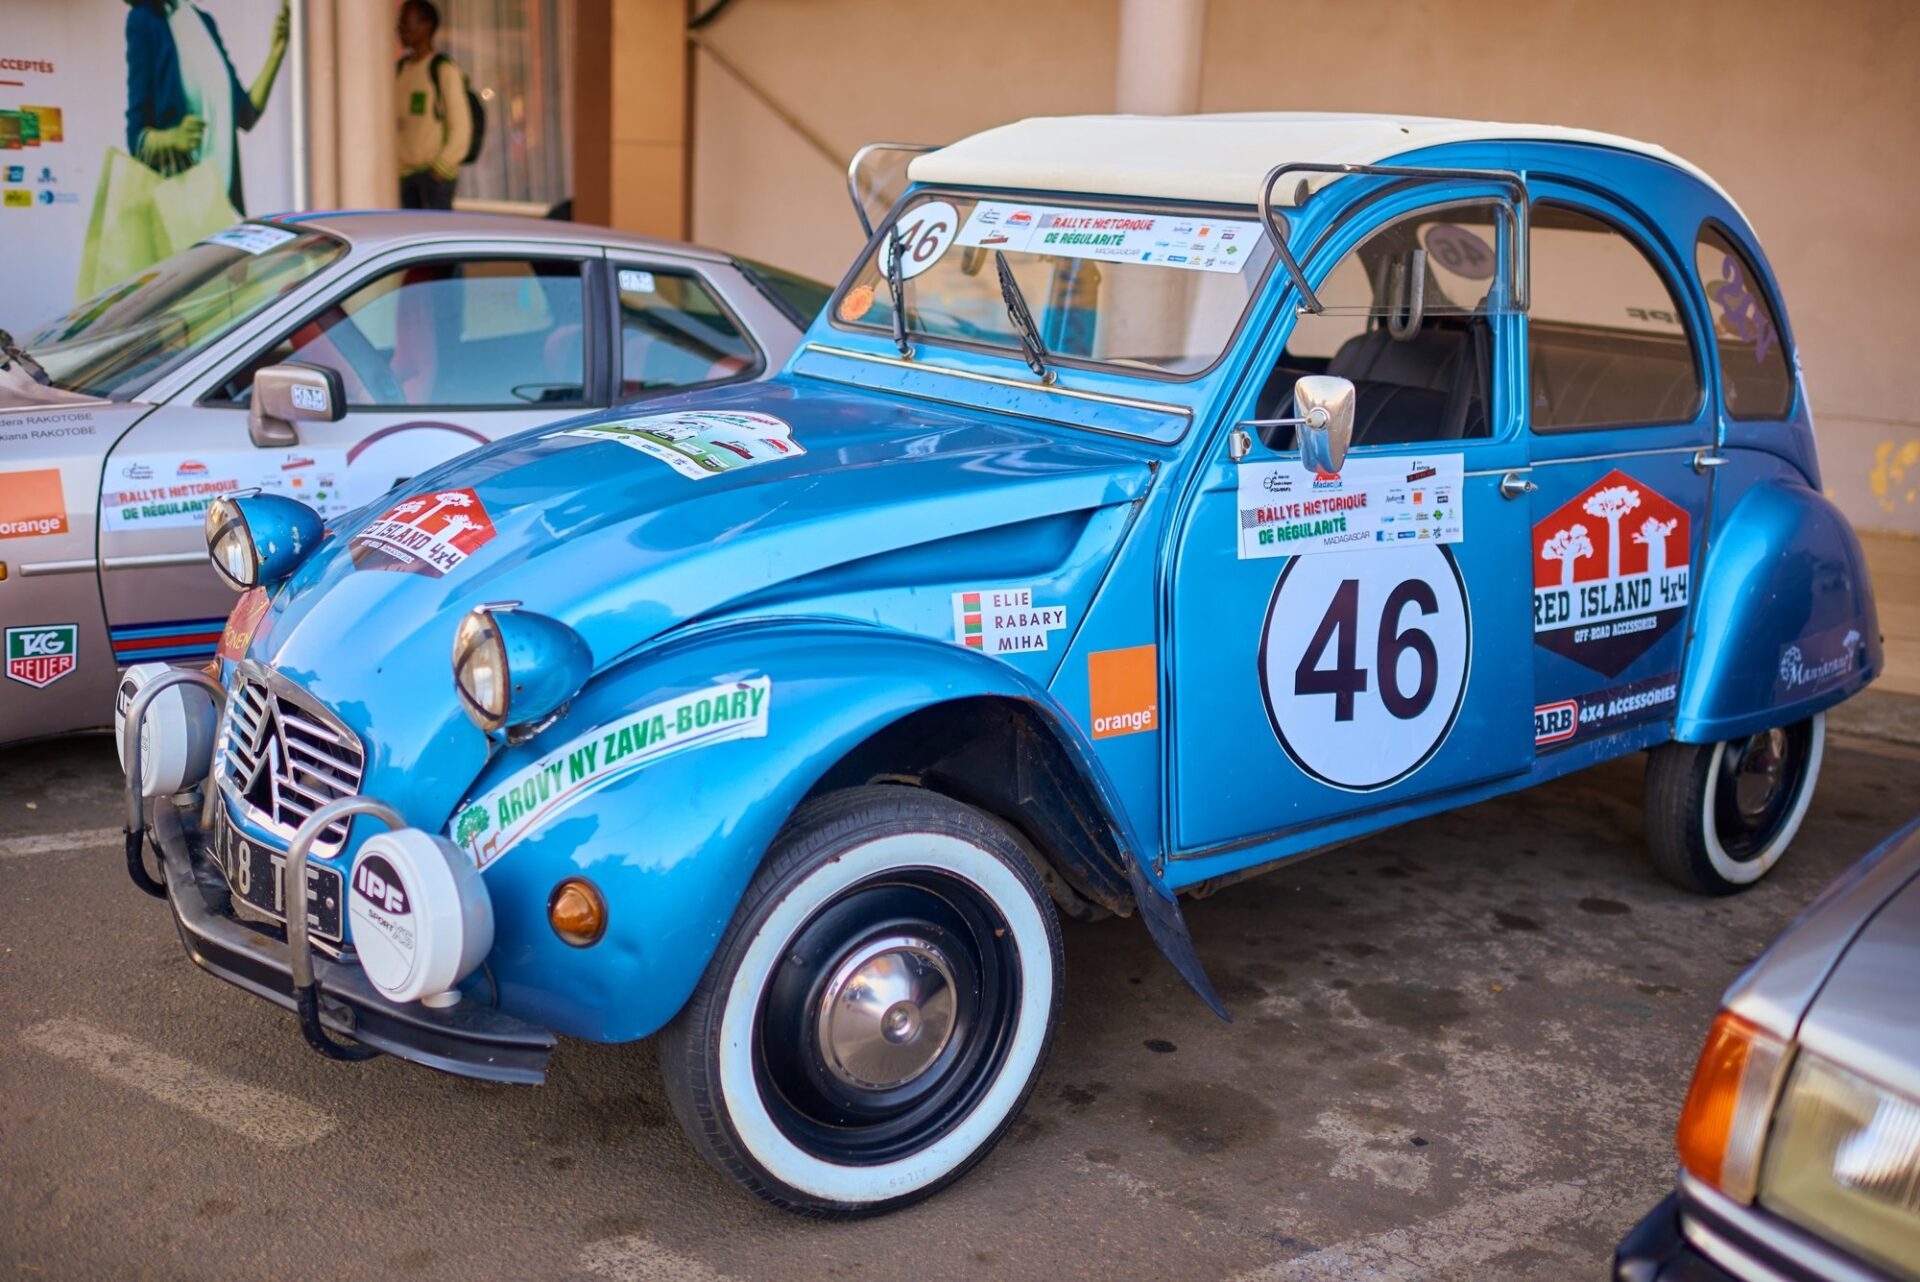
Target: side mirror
x=1323, y=404
x=289, y=393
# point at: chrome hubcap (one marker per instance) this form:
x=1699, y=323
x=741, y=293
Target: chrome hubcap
x=887, y=1012
x=1763, y=762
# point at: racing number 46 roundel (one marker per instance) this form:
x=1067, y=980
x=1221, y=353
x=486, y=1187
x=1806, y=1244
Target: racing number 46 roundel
x=1363, y=664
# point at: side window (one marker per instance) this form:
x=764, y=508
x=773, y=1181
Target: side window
x=675, y=333
x=1607, y=340
x=1755, y=378
x=1406, y=319
x=491, y=333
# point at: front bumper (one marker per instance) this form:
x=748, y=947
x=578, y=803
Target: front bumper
x=468, y=1040
x=1698, y=1235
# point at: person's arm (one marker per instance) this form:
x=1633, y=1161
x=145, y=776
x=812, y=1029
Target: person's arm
x=276, y=54
x=162, y=150
x=458, y=115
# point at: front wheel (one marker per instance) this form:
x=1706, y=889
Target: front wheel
x=878, y=1010
x=1720, y=815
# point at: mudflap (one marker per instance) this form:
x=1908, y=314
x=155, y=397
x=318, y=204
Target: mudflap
x=1169, y=930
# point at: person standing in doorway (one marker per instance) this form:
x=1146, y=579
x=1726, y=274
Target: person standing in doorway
x=436, y=122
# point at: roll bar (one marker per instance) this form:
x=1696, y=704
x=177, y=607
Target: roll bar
x=1518, y=289
x=853, y=173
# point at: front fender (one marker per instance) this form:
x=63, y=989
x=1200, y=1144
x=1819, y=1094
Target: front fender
x=672, y=846
x=1785, y=624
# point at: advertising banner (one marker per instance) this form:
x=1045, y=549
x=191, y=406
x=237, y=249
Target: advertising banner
x=129, y=129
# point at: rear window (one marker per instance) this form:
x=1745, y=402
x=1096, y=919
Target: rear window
x=1607, y=339
x=798, y=296
x=1756, y=380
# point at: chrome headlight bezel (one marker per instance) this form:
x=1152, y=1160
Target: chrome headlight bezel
x=480, y=672
x=516, y=669
x=230, y=545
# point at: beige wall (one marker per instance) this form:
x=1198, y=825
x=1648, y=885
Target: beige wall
x=1809, y=115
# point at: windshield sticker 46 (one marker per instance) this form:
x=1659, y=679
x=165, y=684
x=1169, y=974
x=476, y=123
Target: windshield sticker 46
x=699, y=443
x=1180, y=241
x=491, y=825
x=1286, y=512
x=427, y=534
x=1004, y=620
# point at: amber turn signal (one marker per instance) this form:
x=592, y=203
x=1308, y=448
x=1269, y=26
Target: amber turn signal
x=1724, y=1123
x=577, y=912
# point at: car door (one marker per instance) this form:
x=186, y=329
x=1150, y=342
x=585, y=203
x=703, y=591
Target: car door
x=440, y=348
x=1346, y=644
x=1618, y=415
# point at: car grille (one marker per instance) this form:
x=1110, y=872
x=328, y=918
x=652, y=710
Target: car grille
x=282, y=756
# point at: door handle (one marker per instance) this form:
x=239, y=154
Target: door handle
x=1705, y=459
x=1513, y=486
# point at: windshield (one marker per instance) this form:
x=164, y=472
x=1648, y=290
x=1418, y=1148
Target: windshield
x=1139, y=287
x=114, y=343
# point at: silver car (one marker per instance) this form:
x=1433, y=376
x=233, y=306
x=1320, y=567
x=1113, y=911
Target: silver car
x=1800, y=1138
x=120, y=421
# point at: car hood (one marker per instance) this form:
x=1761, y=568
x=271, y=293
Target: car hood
x=622, y=547
x=1867, y=1016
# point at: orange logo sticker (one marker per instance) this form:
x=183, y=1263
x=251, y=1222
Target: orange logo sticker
x=31, y=503
x=1125, y=688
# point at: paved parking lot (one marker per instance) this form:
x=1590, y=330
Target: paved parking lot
x=1458, y=1051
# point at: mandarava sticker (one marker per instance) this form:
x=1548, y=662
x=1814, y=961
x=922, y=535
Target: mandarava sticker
x=429, y=534
x=699, y=443
x=493, y=822
x=1004, y=620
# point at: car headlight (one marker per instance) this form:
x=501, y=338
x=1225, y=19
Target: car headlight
x=1724, y=1121
x=1844, y=1162
x=514, y=667
x=258, y=540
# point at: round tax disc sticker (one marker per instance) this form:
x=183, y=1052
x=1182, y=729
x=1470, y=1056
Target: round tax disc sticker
x=925, y=232
x=1363, y=661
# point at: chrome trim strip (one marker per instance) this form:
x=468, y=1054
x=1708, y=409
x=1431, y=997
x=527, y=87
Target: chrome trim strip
x=155, y=558
x=32, y=569
x=1604, y=458
x=1100, y=398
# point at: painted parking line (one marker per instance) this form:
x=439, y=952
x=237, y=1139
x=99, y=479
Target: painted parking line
x=53, y=843
x=268, y=1117
x=1457, y=1243
x=636, y=1259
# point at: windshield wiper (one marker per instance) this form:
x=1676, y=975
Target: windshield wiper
x=1031, y=348
x=12, y=354
x=897, y=290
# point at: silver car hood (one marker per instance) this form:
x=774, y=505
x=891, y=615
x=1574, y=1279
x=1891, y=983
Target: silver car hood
x=1867, y=1016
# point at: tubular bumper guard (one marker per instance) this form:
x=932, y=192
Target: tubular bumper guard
x=467, y=1040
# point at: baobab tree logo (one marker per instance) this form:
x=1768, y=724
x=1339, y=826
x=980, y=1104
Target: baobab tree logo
x=1653, y=534
x=1567, y=546
x=427, y=533
x=1610, y=505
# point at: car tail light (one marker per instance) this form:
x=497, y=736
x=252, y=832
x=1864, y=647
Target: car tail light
x=1724, y=1123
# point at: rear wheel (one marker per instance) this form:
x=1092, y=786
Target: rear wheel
x=878, y=1010
x=1720, y=815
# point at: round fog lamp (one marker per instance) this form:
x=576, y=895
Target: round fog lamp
x=577, y=912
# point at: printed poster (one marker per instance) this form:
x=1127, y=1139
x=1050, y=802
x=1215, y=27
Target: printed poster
x=1287, y=511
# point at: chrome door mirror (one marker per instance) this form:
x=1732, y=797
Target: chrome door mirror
x=1323, y=403
x=293, y=392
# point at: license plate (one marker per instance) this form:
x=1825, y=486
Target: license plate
x=256, y=873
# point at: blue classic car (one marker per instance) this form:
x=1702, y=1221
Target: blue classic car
x=1157, y=500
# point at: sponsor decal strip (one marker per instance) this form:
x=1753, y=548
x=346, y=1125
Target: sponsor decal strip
x=184, y=638
x=1284, y=510
x=1604, y=711
x=1004, y=620
x=699, y=443
x=1178, y=241
x=490, y=826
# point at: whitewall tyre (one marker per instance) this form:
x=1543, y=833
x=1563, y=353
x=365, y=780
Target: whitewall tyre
x=878, y=1010
x=1720, y=815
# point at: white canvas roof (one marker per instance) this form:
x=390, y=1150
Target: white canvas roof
x=1222, y=158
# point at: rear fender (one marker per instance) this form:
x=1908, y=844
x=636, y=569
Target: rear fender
x=672, y=846
x=1784, y=623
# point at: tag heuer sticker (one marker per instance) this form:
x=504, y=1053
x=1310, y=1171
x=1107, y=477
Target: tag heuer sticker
x=1004, y=620
x=699, y=443
x=40, y=656
x=426, y=534
x=1610, y=573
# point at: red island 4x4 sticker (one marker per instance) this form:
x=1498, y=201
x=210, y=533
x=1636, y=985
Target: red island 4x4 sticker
x=426, y=534
x=1610, y=573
